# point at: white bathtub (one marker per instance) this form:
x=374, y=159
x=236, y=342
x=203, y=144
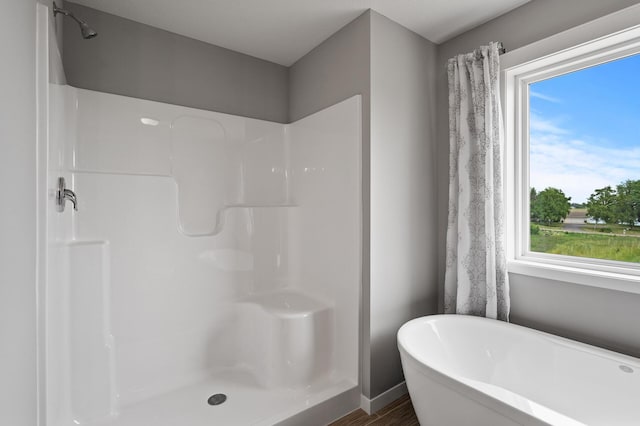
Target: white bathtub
x=463, y=370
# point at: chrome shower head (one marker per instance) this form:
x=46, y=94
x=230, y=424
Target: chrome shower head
x=86, y=30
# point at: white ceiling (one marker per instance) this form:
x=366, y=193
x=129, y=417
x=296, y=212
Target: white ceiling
x=283, y=31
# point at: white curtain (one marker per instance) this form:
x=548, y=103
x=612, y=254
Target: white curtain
x=476, y=282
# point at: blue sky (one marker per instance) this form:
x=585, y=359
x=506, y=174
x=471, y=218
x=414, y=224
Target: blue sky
x=585, y=128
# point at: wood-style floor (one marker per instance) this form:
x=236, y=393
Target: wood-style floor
x=400, y=413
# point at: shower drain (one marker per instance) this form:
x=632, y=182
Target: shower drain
x=626, y=369
x=217, y=399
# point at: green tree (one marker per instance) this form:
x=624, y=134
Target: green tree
x=533, y=194
x=551, y=205
x=627, y=208
x=601, y=205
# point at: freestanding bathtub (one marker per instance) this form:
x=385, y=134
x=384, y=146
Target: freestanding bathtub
x=463, y=370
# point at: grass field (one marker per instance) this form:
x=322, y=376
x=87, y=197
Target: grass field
x=611, y=247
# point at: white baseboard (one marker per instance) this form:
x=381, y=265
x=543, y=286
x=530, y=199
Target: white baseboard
x=382, y=400
x=324, y=412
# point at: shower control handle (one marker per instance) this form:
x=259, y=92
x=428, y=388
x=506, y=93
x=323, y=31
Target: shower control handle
x=63, y=194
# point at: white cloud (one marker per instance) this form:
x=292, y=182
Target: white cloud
x=576, y=166
x=538, y=124
x=544, y=97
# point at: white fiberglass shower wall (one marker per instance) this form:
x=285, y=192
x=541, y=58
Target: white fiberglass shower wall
x=210, y=253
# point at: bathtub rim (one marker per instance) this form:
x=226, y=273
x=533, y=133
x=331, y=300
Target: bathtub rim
x=563, y=341
x=504, y=408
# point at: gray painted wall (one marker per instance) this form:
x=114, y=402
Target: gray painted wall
x=18, y=215
x=336, y=69
x=133, y=59
x=403, y=282
x=602, y=317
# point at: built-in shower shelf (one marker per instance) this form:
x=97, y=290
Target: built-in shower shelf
x=80, y=243
x=191, y=231
x=259, y=205
x=120, y=173
x=287, y=303
x=86, y=242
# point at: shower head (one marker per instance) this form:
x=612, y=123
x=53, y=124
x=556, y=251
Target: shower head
x=86, y=30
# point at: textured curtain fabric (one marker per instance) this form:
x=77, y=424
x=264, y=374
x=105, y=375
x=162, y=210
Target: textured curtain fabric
x=476, y=282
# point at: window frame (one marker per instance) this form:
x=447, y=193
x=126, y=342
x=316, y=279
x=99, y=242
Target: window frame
x=518, y=71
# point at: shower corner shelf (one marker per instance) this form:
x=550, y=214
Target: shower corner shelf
x=220, y=219
x=259, y=205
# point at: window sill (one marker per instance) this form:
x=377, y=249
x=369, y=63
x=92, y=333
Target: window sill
x=593, y=278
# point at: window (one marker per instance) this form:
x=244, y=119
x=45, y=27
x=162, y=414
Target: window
x=573, y=162
x=584, y=162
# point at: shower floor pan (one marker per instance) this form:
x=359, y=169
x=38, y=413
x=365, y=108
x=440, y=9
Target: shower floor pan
x=285, y=369
x=247, y=403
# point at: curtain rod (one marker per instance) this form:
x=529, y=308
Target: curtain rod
x=501, y=49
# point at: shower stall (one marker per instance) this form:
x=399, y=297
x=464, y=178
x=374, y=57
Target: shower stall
x=211, y=272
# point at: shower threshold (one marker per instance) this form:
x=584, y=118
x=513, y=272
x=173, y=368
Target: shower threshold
x=246, y=403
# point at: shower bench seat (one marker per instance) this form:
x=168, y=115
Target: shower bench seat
x=289, y=337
